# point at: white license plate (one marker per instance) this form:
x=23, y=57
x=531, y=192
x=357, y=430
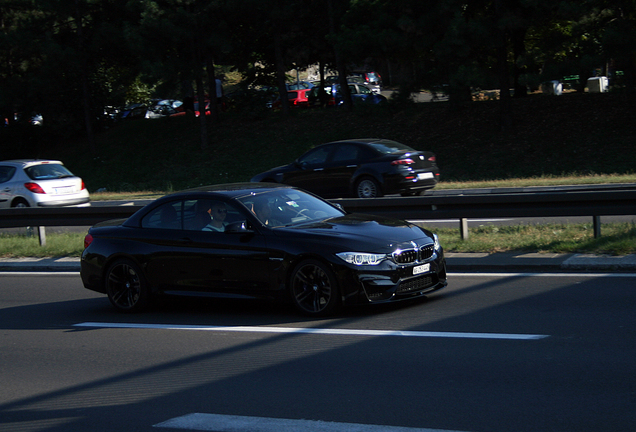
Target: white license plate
x=424, y=176
x=63, y=190
x=421, y=269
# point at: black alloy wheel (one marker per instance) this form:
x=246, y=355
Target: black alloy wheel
x=368, y=187
x=126, y=287
x=314, y=289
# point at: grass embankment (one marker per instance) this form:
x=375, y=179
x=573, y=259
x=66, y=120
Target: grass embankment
x=569, y=139
x=617, y=239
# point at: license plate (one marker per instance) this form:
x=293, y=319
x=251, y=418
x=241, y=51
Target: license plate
x=424, y=176
x=421, y=269
x=63, y=190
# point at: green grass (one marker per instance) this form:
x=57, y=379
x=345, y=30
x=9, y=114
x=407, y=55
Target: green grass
x=617, y=239
x=57, y=245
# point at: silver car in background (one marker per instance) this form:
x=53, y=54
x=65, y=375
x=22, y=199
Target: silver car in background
x=40, y=183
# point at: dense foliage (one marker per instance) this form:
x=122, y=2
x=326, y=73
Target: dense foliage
x=68, y=60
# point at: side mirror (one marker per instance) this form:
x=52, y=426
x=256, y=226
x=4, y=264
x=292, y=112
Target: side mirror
x=238, y=227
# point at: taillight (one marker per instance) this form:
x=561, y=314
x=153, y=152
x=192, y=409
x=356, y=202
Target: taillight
x=432, y=159
x=402, y=162
x=34, y=187
x=83, y=185
x=88, y=239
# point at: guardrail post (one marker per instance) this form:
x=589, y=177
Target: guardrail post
x=597, y=226
x=42, y=235
x=463, y=228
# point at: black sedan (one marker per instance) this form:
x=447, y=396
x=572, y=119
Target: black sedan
x=259, y=241
x=363, y=168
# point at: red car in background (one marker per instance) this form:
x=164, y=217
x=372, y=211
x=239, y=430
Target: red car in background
x=296, y=98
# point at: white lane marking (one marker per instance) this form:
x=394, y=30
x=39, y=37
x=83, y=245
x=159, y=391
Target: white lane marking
x=38, y=273
x=552, y=275
x=323, y=331
x=490, y=274
x=232, y=423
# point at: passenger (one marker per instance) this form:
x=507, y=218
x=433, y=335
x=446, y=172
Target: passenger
x=218, y=212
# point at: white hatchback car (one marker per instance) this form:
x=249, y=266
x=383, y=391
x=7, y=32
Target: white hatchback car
x=40, y=183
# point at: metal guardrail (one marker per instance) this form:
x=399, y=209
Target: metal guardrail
x=594, y=203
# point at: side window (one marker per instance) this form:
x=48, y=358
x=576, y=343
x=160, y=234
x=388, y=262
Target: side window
x=316, y=156
x=6, y=173
x=345, y=152
x=365, y=153
x=209, y=215
x=166, y=216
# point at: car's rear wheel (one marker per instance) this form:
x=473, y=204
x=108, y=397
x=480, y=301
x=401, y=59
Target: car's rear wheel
x=126, y=287
x=20, y=203
x=314, y=289
x=368, y=187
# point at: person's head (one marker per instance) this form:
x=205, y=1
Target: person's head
x=218, y=211
x=262, y=210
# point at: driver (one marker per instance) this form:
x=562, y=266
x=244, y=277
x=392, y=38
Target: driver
x=263, y=212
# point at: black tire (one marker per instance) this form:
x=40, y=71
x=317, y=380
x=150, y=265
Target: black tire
x=368, y=187
x=126, y=287
x=20, y=203
x=314, y=289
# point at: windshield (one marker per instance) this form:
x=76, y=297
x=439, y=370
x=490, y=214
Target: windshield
x=47, y=172
x=288, y=207
x=388, y=147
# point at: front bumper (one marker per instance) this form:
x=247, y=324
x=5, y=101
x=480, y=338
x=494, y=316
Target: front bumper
x=394, y=283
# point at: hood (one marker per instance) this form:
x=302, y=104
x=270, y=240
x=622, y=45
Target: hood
x=361, y=232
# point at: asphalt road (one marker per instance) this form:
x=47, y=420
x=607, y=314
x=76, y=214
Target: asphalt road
x=492, y=352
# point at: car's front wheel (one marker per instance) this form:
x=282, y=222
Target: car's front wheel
x=314, y=289
x=126, y=287
x=368, y=187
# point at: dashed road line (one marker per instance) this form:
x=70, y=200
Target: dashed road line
x=231, y=423
x=321, y=331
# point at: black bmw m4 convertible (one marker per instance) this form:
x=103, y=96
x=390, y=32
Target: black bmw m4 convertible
x=260, y=240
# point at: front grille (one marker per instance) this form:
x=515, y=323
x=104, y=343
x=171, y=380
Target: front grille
x=405, y=256
x=416, y=284
x=409, y=256
x=426, y=252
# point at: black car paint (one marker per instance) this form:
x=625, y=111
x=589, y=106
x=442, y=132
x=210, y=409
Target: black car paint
x=257, y=262
x=331, y=179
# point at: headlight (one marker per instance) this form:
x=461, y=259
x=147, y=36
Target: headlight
x=361, y=258
x=437, y=245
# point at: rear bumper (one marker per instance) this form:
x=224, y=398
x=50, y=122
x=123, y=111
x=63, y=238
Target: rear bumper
x=84, y=201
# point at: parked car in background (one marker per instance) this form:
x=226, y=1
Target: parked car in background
x=181, y=111
x=40, y=183
x=370, y=78
x=332, y=96
x=299, y=85
x=363, y=168
x=360, y=93
x=320, y=97
x=273, y=242
x=133, y=112
x=296, y=98
x=163, y=108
